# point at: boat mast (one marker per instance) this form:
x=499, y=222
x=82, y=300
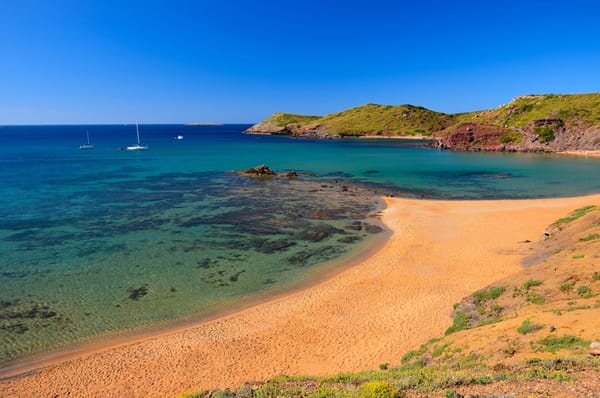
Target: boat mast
x=137, y=130
x=87, y=133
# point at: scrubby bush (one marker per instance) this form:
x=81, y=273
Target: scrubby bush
x=545, y=133
x=567, y=286
x=531, y=283
x=584, y=291
x=528, y=327
x=378, y=389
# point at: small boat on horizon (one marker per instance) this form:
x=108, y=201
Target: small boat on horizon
x=179, y=137
x=87, y=145
x=138, y=146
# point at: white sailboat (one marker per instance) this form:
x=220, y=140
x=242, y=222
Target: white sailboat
x=138, y=146
x=87, y=145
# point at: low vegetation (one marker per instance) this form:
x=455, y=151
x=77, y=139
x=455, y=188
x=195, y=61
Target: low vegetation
x=385, y=119
x=283, y=119
x=528, y=327
x=545, y=134
x=575, y=214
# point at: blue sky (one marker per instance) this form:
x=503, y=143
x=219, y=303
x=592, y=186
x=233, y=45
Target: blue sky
x=239, y=61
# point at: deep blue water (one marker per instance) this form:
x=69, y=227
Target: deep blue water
x=99, y=241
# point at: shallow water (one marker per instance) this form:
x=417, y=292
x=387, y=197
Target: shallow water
x=100, y=241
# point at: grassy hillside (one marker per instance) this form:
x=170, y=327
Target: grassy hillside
x=574, y=110
x=382, y=119
x=525, y=335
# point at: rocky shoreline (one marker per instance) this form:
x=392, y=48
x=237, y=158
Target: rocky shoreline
x=542, y=135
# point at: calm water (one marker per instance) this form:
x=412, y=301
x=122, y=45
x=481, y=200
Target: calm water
x=99, y=241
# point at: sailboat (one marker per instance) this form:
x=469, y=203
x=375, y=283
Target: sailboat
x=138, y=146
x=87, y=145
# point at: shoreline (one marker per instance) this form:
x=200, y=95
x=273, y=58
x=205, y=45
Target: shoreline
x=32, y=363
x=346, y=322
x=582, y=153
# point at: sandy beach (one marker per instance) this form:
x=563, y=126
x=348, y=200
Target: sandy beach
x=584, y=153
x=368, y=314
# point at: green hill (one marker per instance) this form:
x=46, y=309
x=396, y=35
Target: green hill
x=385, y=119
x=550, y=123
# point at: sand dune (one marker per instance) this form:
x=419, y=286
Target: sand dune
x=366, y=315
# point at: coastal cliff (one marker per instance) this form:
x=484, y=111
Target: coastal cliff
x=532, y=123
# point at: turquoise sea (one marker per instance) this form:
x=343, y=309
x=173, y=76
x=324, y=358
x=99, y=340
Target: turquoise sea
x=102, y=242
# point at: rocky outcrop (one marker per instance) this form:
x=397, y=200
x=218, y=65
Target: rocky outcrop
x=259, y=171
x=292, y=130
x=543, y=135
x=473, y=136
x=264, y=171
x=266, y=127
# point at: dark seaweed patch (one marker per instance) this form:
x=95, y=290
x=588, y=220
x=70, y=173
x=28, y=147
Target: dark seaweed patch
x=138, y=292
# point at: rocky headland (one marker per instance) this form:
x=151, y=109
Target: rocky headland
x=531, y=123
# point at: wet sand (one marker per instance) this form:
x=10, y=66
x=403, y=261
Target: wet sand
x=371, y=313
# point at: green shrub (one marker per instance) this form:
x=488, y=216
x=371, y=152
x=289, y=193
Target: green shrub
x=589, y=237
x=488, y=294
x=267, y=391
x=535, y=298
x=545, y=133
x=191, y=394
x=555, y=343
x=528, y=327
x=596, y=276
x=482, y=380
x=531, y=283
x=328, y=392
x=578, y=256
x=439, y=350
x=451, y=393
x=511, y=136
x=384, y=366
x=378, y=389
x=567, y=286
x=584, y=291
x=461, y=322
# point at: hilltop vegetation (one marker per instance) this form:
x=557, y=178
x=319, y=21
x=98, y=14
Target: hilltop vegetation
x=385, y=120
x=526, y=335
x=574, y=110
x=528, y=123
x=283, y=119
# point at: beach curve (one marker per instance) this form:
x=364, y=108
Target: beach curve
x=368, y=314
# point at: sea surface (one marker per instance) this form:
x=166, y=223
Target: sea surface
x=102, y=242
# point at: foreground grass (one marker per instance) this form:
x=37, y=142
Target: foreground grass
x=414, y=377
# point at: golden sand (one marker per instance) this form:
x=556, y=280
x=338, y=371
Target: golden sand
x=366, y=315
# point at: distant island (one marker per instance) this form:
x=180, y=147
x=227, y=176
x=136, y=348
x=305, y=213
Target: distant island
x=529, y=123
x=203, y=124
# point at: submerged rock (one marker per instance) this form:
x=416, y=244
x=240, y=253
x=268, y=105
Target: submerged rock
x=349, y=239
x=269, y=246
x=373, y=229
x=318, y=232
